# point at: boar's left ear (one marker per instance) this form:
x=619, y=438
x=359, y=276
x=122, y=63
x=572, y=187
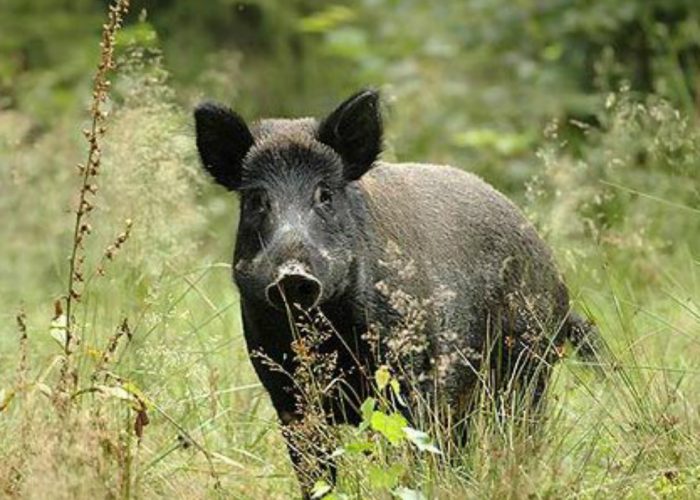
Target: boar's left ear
x=223, y=140
x=354, y=131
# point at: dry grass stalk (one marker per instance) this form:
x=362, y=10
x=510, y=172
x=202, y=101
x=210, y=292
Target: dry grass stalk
x=112, y=249
x=106, y=356
x=90, y=169
x=23, y=367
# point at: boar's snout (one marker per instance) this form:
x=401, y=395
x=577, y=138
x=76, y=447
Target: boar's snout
x=294, y=285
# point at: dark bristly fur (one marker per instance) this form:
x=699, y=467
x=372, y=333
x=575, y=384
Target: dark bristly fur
x=443, y=269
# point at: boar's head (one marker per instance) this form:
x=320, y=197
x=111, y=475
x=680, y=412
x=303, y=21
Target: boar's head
x=298, y=229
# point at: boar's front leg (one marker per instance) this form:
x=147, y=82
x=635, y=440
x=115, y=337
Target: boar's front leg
x=309, y=448
x=306, y=434
x=304, y=427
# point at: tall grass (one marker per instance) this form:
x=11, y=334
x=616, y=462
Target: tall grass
x=159, y=398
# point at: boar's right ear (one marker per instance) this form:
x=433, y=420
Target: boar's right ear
x=354, y=131
x=223, y=140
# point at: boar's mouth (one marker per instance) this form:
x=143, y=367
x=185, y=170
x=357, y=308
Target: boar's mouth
x=294, y=285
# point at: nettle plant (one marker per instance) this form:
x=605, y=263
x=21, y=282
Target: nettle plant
x=384, y=453
x=383, y=434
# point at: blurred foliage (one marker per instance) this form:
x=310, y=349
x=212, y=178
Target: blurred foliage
x=607, y=92
x=471, y=82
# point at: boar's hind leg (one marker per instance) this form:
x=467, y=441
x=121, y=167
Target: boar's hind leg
x=521, y=359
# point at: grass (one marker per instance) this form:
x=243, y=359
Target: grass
x=174, y=409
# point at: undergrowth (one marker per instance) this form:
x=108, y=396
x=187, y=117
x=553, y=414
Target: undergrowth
x=125, y=374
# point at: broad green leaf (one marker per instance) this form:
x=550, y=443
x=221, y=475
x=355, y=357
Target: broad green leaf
x=57, y=330
x=408, y=494
x=385, y=478
x=358, y=447
x=320, y=489
x=421, y=440
x=390, y=426
x=366, y=410
x=382, y=377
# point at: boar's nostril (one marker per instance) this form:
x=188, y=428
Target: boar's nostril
x=294, y=288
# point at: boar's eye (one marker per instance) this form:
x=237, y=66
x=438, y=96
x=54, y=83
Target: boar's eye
x=322, y=196
x=258, y=202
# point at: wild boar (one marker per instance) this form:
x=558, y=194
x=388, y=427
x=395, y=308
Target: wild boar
x=446, y=273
